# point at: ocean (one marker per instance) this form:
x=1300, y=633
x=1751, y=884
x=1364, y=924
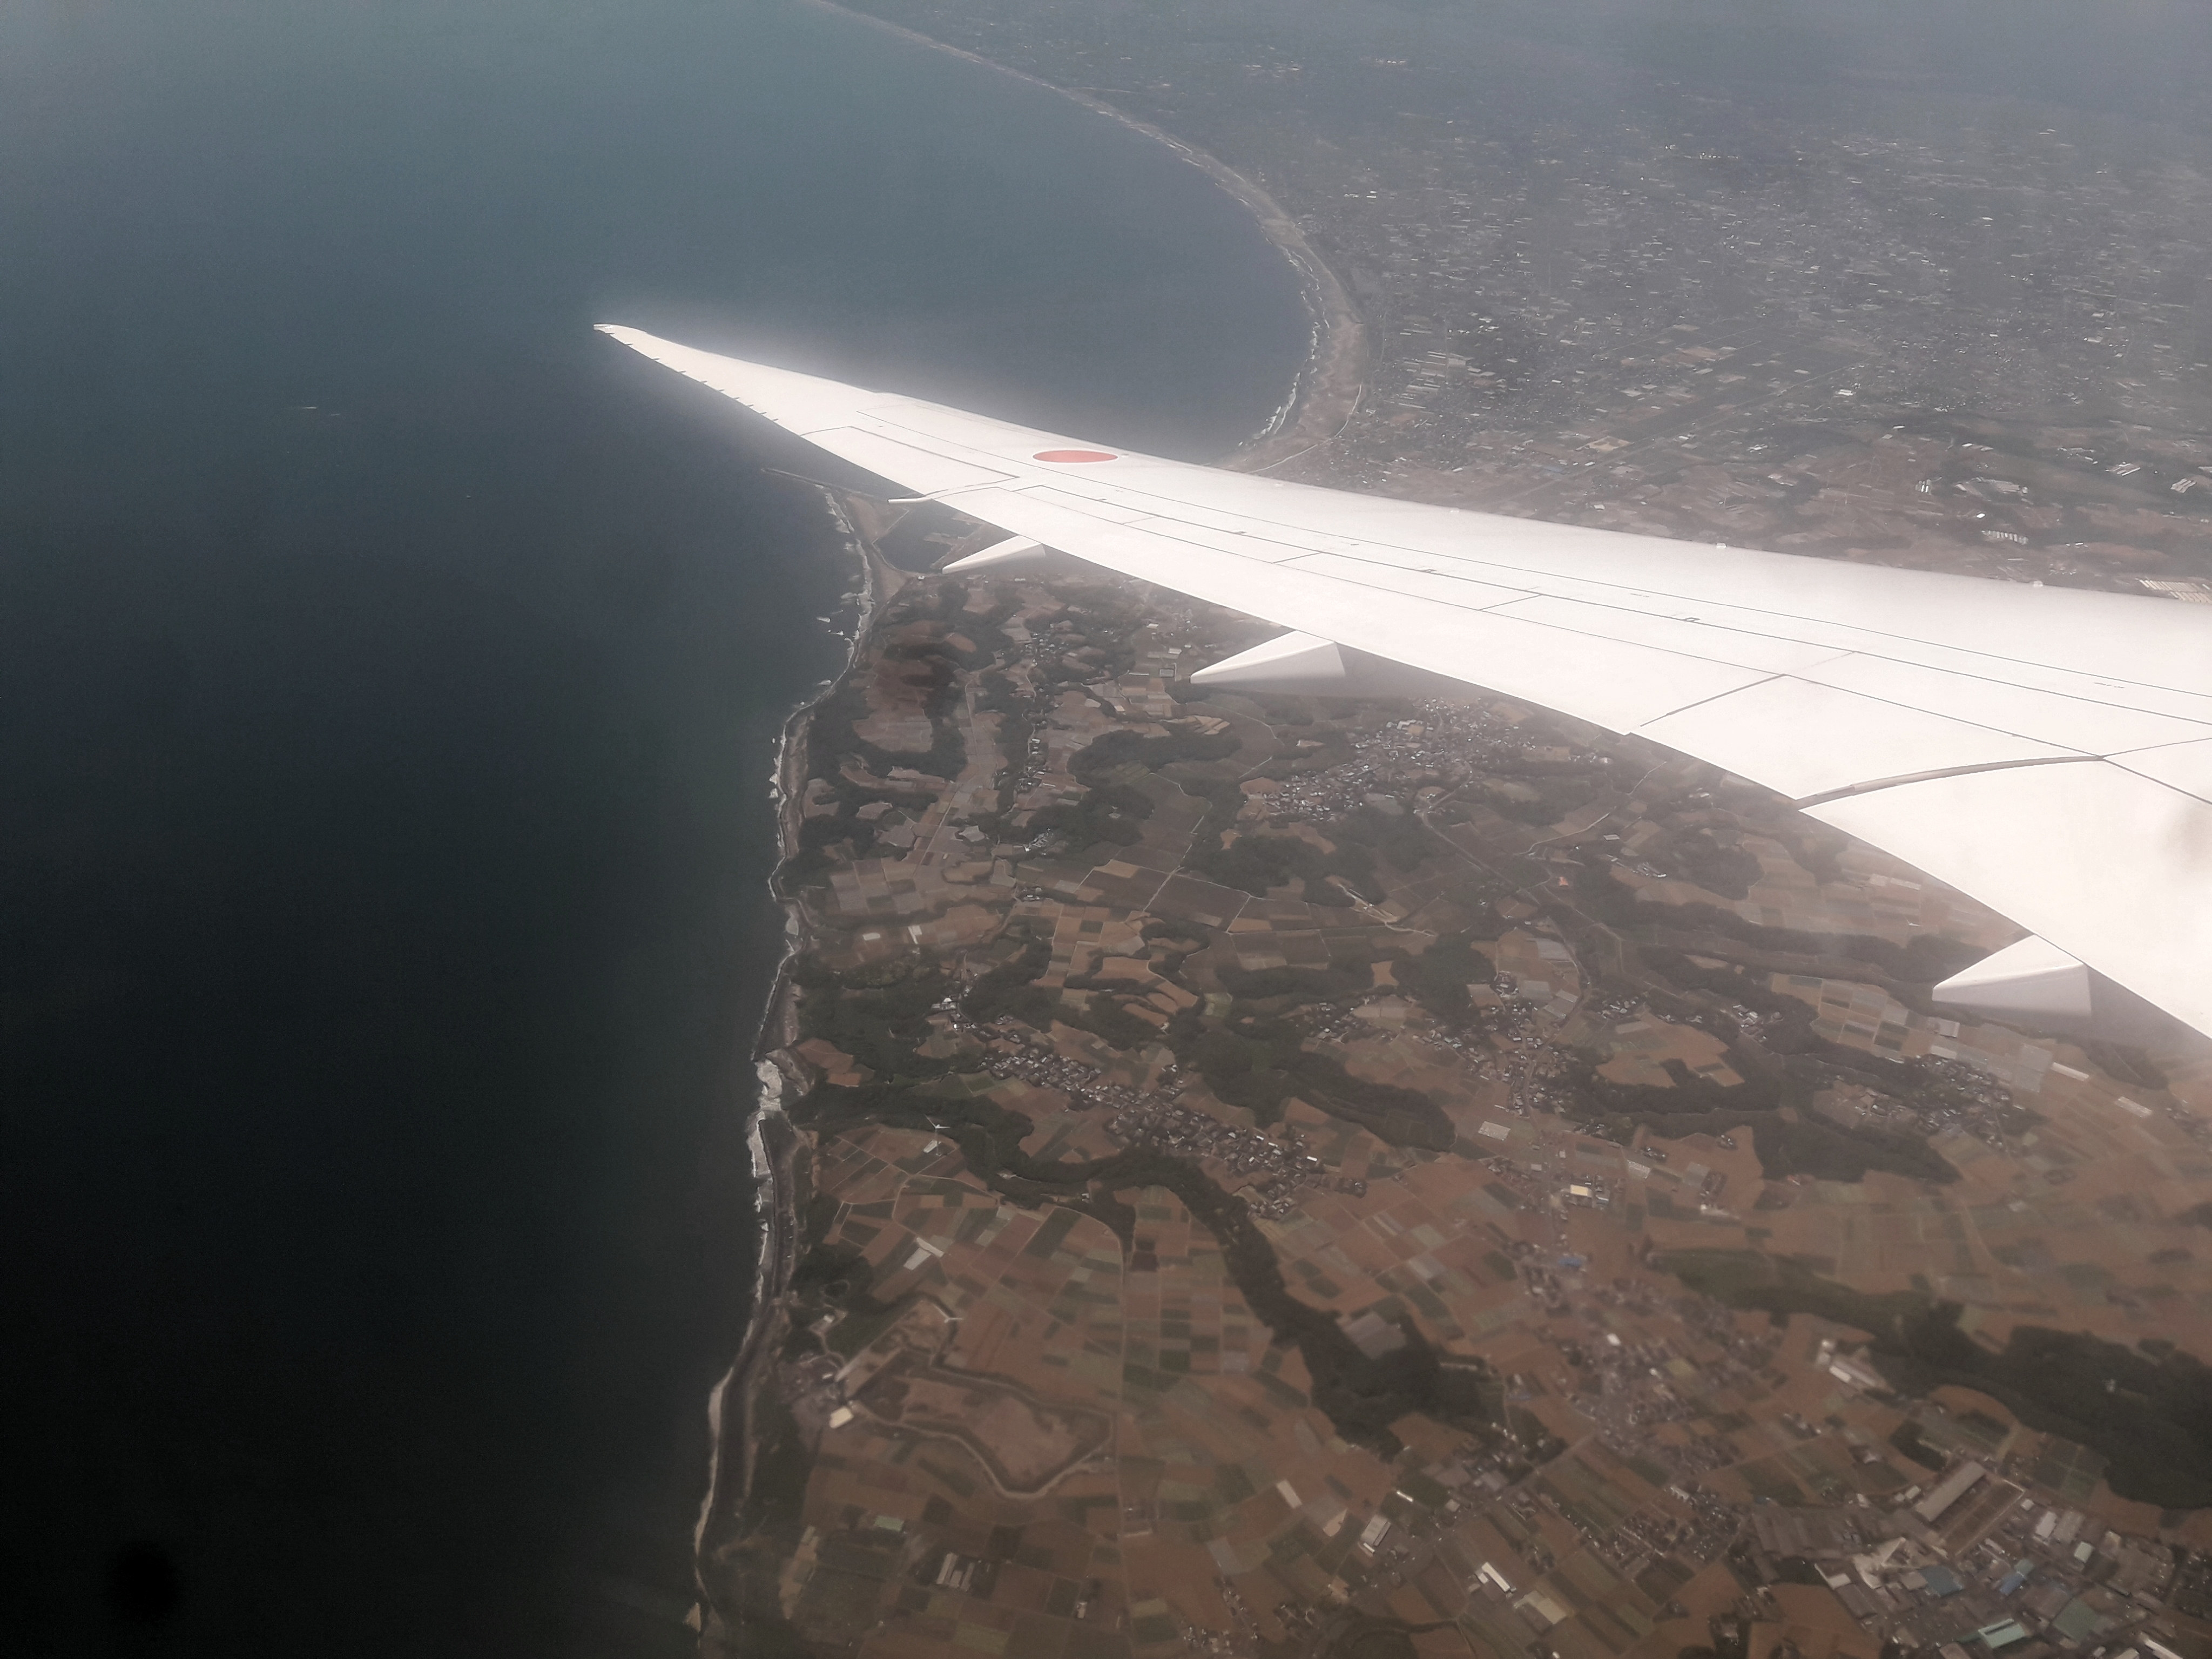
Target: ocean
x=390, y=673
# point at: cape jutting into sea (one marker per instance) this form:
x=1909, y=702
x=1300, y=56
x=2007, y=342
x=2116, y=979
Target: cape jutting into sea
x=390, y=669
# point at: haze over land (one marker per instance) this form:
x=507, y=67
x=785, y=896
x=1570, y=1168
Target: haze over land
x=1754, y=274
x=1260, y=1176
x=1275, y=1177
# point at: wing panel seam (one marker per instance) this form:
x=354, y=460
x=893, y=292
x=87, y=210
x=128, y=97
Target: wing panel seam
x=1505, y=575
x=1733, y=691
x=1872, y=785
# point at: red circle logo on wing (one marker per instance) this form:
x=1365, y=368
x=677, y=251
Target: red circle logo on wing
x=1073, y=455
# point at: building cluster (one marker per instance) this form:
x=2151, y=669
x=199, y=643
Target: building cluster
x=1085, y=1085
x=1701, y=316
x=1396, y=763
x=1974, y=1566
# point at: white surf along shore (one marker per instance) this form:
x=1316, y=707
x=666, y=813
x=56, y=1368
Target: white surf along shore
x=1322, y=398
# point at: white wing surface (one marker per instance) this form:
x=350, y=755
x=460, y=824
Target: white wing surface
x=2047, y=751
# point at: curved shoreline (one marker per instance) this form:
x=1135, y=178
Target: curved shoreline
x=1328, y=388
x=1324, y=395
x=770, y=1137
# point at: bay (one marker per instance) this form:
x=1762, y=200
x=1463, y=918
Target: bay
x=389, y=673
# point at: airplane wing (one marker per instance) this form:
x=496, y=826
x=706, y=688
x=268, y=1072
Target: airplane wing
x=2047, y=751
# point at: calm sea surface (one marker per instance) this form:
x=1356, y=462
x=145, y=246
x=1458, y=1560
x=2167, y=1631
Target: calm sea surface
x=389, y=672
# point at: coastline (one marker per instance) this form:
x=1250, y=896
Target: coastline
x=772, y=1140
x=1329, y=385
x=1324, y=395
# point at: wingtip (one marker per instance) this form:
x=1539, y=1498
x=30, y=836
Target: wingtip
x=801, y=403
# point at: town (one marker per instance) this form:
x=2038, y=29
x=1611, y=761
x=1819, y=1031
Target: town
x=1582, y=1107
x=1707, y=310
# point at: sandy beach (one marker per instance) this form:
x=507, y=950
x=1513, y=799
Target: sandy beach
x=1329, y=386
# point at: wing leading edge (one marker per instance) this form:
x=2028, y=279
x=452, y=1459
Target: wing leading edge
x=2048, y=751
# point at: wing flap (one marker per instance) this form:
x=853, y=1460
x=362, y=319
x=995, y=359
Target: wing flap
x=1801, y=739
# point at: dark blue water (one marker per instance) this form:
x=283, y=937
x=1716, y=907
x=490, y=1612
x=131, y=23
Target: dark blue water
x=389, y=669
